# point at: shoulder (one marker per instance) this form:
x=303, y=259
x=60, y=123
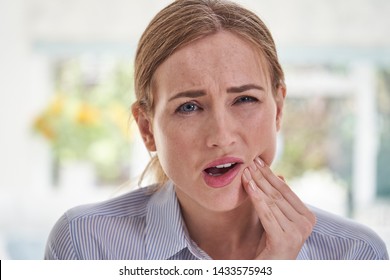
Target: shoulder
x=335, y=237
x=93, y=231
x=131, y=204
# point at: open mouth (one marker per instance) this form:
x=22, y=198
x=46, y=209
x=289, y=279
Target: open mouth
x=220, y=169
x=221, y=172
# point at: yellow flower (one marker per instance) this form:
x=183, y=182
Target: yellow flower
x=42, y=125
x=56, y=107
x=87, y=114
x=120, y=117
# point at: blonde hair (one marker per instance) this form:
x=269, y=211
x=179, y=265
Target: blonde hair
x=183, y=22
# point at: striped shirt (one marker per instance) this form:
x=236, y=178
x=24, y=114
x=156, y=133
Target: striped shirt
x=145, y=225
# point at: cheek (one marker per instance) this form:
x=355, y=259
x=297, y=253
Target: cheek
x=262, y=134
x=175, y=146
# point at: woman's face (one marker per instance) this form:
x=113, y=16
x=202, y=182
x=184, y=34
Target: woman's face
x=214, y=113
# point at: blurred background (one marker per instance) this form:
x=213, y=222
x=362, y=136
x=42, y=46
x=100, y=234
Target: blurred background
x=66, y=70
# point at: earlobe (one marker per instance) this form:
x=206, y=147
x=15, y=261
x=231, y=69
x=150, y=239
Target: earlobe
x=145, y=127
x=279, y=99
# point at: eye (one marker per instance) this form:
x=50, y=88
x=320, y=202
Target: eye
x=245, y=99
x=187, y=108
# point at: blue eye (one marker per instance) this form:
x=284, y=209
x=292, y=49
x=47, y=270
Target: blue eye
x=246, y=99
x=187, y=108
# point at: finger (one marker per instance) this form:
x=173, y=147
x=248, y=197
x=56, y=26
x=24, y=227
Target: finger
x=282, y=239
x=273, y=195
x=278, y=190
x=271, y=217
x=304, y=223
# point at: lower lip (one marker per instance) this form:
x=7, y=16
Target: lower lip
x=222, y=180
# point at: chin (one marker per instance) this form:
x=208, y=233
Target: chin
x=228, y=198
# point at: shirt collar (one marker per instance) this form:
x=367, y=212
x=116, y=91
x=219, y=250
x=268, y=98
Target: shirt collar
x=165, y=233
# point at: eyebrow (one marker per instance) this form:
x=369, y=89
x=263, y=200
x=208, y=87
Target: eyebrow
x=199, y=93
x=189, y=94
x=244, y=88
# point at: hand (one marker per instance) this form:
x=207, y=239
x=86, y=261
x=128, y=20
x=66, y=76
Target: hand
x=287, y=222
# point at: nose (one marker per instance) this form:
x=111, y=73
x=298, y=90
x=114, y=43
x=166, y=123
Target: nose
x=221, y=130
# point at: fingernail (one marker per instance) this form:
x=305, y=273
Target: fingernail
x=247, y=175
x=252, y=185
x=259, y=161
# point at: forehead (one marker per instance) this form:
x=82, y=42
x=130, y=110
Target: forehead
x=224, y=56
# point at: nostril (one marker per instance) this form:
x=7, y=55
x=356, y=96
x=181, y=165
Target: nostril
x=220, y=138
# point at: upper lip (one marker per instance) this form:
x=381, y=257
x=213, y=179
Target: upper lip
x=223, y=160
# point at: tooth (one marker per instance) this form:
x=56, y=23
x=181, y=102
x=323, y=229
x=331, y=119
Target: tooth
x=224, y=165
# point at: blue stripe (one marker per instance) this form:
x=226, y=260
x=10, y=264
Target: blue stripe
x=144, y=225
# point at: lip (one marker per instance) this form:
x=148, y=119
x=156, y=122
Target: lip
x=225, y=179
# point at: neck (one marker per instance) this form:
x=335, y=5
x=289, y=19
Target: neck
x=233, y=234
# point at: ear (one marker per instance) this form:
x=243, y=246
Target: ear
x=144, y=123
x=279, y=99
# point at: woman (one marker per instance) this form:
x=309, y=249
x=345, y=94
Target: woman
x=210, y=94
